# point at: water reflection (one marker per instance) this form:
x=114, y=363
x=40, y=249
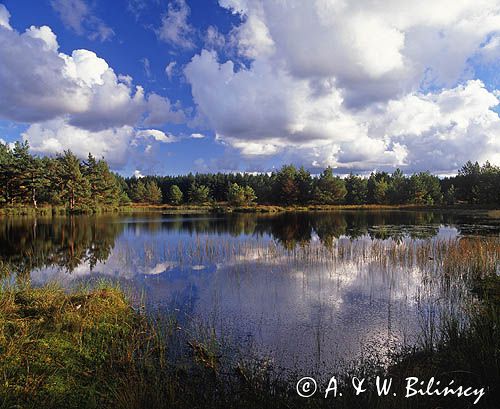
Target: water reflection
x=68, y=242
x=27, y=244
x=309, y=289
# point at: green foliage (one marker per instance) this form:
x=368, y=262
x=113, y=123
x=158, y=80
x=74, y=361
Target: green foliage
x=380, y=191
x=304, y=183
x=64, y=180
x=105, y=189
x=478, y=184
x=153, y=193
x=240, y=196
x=450, y=196
x=329, y=189
x=27, y=180
x=138, y=191
x=425, y=189
x=286, y=188
x=398, y=189
x=292, y=186
x=357, y=189
x=175, y=195
x=148, y=192
x=22, y=176
x=75, y=189
x=198, y=194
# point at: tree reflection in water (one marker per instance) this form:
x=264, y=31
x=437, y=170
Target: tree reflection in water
x=27, y=244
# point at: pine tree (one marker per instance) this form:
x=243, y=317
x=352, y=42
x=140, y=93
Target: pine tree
x=250, y=196
x=198, y=194
x=75, y=188
x=329, y=189
x=36, y=179
x=104, y=187
x=398, y=188
x=380, y=190
x=7, y=173
x=138, y=191
x=451, y=195
x=153, y=193
x=175, y=195
x=286, y=189
x=305, y=185
x=357, y=189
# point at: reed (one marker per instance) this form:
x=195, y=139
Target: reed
x=90, y=348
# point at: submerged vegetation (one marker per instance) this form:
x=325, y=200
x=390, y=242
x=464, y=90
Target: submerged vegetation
x=95, y=347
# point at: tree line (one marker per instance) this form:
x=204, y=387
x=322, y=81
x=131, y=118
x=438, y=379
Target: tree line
x=64, y=180
x=474, y=184
x=76, y=184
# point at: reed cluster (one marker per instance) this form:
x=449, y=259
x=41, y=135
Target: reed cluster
x=90, y=348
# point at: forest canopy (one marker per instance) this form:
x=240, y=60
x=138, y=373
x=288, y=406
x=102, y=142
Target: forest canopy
x=65, y=180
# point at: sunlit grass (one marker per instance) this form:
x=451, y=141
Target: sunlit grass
x=69, y=350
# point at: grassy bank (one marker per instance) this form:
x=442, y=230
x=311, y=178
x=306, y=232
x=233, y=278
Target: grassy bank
x=223, y=207
x=68, y=350
x=263, y=208
x=58, y=210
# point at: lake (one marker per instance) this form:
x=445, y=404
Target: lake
x=308, y=291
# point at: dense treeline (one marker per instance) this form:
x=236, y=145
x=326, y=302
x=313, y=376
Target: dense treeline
x=61, y=181
x=474, y=184
x=68, y=181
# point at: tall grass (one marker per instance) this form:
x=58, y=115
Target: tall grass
x=90, y=349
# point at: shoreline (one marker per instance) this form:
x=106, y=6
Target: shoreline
x=224, y=208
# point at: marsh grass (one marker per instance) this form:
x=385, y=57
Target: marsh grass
x=70, y=350
x=467, y=353
x=89, y=348
x=465, y=258
x=47, y=210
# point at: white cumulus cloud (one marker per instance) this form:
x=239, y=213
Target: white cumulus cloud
x=4, y=17
x=73, y=101
x=56, y=135
x=357, y=85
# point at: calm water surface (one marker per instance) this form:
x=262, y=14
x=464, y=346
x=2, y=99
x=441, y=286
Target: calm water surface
x=301, y=289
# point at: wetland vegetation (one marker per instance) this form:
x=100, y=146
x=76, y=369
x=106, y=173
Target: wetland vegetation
x=156, y=311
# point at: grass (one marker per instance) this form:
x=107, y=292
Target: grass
x=469, y=355
x=224, y=207
x=90, y=349
x=25, y=210
x=68, y=350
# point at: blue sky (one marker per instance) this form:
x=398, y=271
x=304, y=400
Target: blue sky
x=166, y=87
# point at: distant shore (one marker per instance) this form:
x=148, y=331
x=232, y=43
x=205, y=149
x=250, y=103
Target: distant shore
x=263, y=208
x=223, y=207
